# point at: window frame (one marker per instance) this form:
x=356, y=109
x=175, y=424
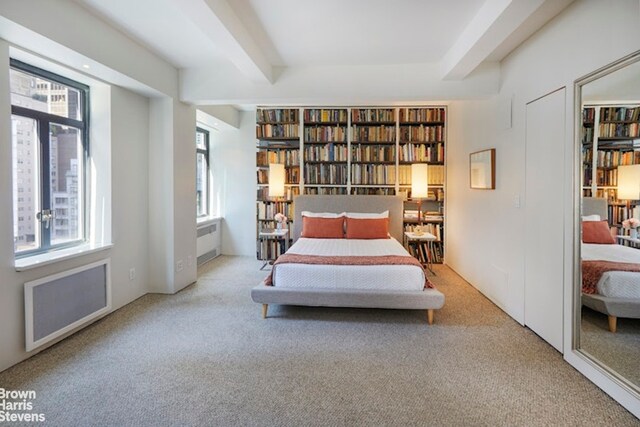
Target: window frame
x=44, y=120
x=205, y=151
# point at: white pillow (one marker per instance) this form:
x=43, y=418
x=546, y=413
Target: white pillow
x=322, y=214
x=384, y=214
x=591, y=218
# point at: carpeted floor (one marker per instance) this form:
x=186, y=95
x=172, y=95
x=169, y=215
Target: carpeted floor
x=619, y=351
x=205, y=357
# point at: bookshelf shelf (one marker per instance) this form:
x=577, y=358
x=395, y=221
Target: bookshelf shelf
x=610, y=138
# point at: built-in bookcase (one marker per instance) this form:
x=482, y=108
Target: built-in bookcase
x=610, y=138
x=278, y=141
x=356, y=151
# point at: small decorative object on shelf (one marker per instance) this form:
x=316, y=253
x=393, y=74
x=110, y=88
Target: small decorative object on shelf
x=632, y=225
x=280, y=220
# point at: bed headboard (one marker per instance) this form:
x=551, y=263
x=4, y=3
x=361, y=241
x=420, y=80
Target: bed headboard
x=338, y=204
x=595, y=206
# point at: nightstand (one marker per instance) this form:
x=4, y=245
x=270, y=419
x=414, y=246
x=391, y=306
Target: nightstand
x=421, y=247
x=628, y=241
x=279, y=240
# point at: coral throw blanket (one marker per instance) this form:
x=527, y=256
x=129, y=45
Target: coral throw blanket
x=346, y=260
x=592, y=271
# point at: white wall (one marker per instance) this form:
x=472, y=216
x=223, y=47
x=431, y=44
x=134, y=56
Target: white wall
x=484, y=230
x=233, y=154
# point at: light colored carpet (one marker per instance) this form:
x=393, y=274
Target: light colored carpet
x=619, y=351
x=205, y=357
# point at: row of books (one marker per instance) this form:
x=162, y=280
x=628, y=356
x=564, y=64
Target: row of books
x=372, y=174
x=587, y=175
x=587, y=135
x=618, y=130
x=424, y=252
x=422, y=133
x=422, y=115
x=422, y=153
x=608, y=177
x=329, y=191
x=618, y=213
x=373, y=133
x=611, y=158
x=620, y=114
x=436, y=174
x=364, y=191
x=325, y=174
x=435, y=194
x=277, y=131
x=325, y=115
x=286, y=157
x=267, y=210
x=375, y=153
x=433, y=228
x=326, y=153
x=325, y=133
x=270, y=249
x=292, y=175
x=588, y=115
x=289, y=193
x=373, y=115
x=277, y=115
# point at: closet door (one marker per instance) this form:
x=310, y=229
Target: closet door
x=544, y=216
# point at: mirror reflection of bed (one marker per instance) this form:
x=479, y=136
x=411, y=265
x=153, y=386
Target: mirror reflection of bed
x=610, y=323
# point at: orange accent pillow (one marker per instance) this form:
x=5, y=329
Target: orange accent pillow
x=367, y=228
x=597, y=232
x=322, y=228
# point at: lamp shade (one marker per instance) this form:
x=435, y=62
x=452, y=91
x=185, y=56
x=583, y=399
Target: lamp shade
x=629, y=182
x=419, y=181
x=276, y=180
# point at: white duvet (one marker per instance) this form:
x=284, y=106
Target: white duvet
x=377, y=277
x=615, y=284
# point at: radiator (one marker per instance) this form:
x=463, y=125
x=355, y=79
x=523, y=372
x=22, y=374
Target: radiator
x=208, y=242
x=60, y=303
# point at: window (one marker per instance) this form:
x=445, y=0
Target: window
x=202, y=172
x=49, y=128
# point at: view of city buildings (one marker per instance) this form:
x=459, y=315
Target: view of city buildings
x=65, y=151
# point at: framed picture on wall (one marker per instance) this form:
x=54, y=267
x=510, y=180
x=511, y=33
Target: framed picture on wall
x=482, y=169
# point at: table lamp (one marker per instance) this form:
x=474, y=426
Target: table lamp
x=628, y=185
x=276, y=180
x=419, y=187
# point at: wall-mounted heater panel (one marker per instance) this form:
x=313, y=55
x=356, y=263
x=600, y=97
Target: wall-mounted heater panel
x=57, y=304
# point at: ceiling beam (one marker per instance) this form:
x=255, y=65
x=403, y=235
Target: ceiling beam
x=497, y=28
x=218, y=21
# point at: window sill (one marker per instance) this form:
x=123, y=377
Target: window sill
x=39, y=260
x=207, y=220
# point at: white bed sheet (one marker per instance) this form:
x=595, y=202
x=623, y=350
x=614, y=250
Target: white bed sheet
x=371, y=277
x=615, y=284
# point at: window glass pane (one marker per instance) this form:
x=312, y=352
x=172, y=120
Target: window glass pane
x=37, y=93
x=201, y=184
x=26, y=183
x=65, y=177
x=201, y=140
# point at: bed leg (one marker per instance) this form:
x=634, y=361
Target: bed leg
x=613, y=323
x=265, y=307
x=430, y=316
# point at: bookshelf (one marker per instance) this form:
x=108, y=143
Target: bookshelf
x=326, y=151
x=352, y=150
x=278, y=141
x=373, y=151
x=610, y=137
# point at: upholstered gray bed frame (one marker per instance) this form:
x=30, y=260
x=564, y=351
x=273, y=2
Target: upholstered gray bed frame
x=427, y=299
x=612, y=307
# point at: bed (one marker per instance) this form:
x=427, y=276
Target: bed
x=617, y=292
x=361, y=286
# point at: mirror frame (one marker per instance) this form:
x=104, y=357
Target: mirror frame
x=627, y=393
